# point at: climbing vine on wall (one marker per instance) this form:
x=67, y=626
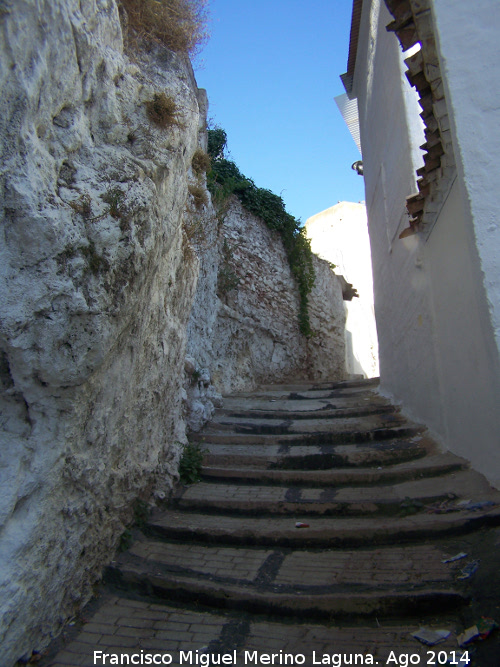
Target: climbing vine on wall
x=225, y=179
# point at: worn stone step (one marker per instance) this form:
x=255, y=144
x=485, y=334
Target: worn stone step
x=406, y=497
x=304, y=394
x=258, y=424
x=276, y=404
x=346, y=397
x=328, y=601
x=312, y=437
x=304, y=385
x=430, y=466
x=327, y=411
x=294, y=456
x=284, y=569
x=321, y=532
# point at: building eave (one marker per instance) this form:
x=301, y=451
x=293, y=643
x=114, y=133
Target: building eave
x=348, y=77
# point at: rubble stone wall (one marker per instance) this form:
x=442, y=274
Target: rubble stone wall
x=247, y=326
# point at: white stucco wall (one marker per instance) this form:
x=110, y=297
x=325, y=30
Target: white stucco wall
x=340, y=235
x=435, y=313
x=465, y=351
x=401, y=288
x=467, y=38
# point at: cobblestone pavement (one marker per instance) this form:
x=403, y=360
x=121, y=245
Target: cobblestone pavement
x=224, y=575
x=136, y=628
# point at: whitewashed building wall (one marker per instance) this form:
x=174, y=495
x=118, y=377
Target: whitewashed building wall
x=437, y=293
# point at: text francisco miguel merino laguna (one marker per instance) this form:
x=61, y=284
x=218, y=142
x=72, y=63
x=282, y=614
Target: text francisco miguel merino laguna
x=143, y=657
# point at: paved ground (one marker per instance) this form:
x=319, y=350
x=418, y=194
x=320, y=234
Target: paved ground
x=224, y=576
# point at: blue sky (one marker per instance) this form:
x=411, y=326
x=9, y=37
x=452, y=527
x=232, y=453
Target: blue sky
x=271, y=69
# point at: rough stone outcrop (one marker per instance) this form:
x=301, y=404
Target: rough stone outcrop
x=96, y=285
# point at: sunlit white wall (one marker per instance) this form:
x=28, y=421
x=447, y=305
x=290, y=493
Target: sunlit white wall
x=437, y=296
x=340, y=235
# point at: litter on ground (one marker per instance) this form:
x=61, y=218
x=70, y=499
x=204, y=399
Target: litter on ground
x=469, y=570
x=483, y=629
x=452, y=559
x=431, y=637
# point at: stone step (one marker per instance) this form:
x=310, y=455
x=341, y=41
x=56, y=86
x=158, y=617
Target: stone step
x=430, y=466
x=278, y=436
x=279, y=569
x=273, y=405
x=331, y=532
x=328, y=411
x=295, y=456
x=347, y=397
x=404, y=498
x=321, y=585
x=304, y=385
x=252, y=423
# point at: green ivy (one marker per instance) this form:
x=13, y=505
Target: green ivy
x=225, y=179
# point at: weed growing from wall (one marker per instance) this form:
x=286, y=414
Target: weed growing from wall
x=225, y=179
x=83, y=205
x=199, y=195
x=191, y=463
x=227, y=279
x=114, y=196
x=201, y=162
x=162, y=111
x=195, y=231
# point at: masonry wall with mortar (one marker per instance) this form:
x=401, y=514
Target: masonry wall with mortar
x=249, y=333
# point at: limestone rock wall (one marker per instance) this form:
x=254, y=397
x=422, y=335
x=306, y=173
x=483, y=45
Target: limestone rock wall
x=97, y=279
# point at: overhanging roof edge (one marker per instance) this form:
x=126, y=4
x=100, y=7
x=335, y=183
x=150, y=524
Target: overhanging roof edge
x=348, y=77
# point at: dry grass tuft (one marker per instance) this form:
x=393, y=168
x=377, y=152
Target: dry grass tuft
x=201, y=162
x=199, y=195
x=180, y=25
x=162, y=111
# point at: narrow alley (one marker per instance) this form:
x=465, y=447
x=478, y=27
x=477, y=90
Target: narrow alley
x=327, y=528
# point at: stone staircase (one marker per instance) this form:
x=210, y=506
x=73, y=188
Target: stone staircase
x=324, y=521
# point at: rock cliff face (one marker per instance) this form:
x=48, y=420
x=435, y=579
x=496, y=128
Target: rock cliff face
x=96, y=286
x=101, y=246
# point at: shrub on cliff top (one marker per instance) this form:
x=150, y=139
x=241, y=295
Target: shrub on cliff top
x=180, y=25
